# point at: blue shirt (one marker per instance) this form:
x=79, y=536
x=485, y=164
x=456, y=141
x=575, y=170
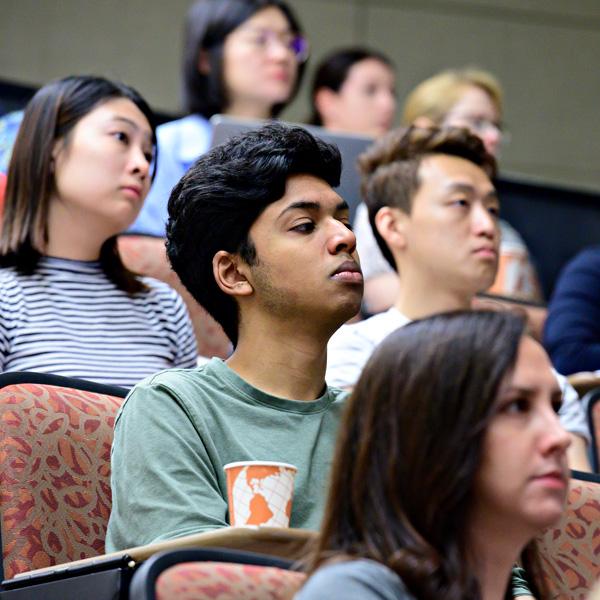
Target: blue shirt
x=180, y=143
x=9, y=127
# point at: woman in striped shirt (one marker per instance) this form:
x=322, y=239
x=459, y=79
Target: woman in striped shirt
x=78, y=176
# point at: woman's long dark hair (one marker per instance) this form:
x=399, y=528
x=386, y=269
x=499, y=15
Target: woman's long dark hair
x=51, y=115
x=410, y=446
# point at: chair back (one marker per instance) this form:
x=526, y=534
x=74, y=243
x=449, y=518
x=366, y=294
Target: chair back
x=591, y=402
x=55, y=439
x=569, y=550
x=205, y=573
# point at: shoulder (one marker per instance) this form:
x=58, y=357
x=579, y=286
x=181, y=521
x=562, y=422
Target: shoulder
x=587, y=259
x=371, y=331
x=359, y=579
x=187, y=136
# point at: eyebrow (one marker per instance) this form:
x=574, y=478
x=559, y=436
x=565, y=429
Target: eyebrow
x=311, y=205
x=557, y=394
x=467, y=187
x=133, y=124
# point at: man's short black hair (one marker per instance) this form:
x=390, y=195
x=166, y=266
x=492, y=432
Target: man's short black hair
x=216, y=202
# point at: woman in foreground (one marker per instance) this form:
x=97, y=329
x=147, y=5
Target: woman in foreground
x=451, y=459
x=78, y=176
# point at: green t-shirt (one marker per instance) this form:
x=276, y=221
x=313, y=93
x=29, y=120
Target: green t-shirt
x=178, y=428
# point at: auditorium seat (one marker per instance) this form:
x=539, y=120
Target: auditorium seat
x=55, y=439
x=570, y=550
x=201, y=574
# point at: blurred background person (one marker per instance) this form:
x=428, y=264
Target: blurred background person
x=243, y=58
x=470, y=98
x=450, y=460
x=78, y=176
x=354, y=91
x=572, y=332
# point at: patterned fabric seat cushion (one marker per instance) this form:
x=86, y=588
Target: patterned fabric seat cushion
x=227, y=581
x=55, y=476
x=570, y=551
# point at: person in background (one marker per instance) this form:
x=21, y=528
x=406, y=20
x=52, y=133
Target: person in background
x=435, y=212
x=78, y=175
x=243, y=58
x=450, y=460
x=572, y=333
x=277, y=268
x=354, y=91
x=470, y=98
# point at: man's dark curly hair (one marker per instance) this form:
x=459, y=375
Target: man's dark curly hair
x=216, y=202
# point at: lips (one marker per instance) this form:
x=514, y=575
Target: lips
x=348, y=271
x=133, y=190
x=555, y=478
x=486, y=252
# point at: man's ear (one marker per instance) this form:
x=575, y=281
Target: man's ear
x=230, y=274
x=391, y=224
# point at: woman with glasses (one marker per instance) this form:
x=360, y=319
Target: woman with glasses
x=470, y=98
x=243, y=58
x=451, y=459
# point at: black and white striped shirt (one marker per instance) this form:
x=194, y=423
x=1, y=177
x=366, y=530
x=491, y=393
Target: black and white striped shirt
x=69, y=319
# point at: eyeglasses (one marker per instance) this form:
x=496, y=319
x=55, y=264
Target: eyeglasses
x=263, y=39
x=477, y=124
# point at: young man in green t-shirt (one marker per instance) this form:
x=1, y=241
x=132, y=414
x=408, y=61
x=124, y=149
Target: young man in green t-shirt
x=260, y=239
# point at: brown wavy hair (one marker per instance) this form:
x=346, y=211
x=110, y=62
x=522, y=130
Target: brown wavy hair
x=410, y=447
x=390, y=167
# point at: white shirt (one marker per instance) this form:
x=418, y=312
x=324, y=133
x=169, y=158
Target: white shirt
x=351, y=346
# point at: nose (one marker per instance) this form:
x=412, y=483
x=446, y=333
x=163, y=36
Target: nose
x=491, y=139
x=139, y=163
x=388, y=103
x=341, y=239
x=484, y=224
x=555, y=437
x=278, y=49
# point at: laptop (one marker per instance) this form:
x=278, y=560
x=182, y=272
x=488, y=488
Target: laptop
x=350, y=147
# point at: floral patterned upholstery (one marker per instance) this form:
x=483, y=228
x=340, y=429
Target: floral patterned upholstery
x=55, y=477
x=227, y=581
x=570, y=551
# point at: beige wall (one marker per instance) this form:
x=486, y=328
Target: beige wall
x=546, y=53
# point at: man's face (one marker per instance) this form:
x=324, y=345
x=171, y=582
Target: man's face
x=307, y=265
x=452, y=235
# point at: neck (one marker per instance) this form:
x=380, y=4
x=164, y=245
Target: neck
x=494, y=549
x=418, y=298
x=71, y=235
x=248, y=110
x=287, y=361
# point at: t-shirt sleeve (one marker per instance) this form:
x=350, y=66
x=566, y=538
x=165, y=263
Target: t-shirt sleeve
x=518, y=583
x=571, y=413
x=354, y=580
x=347, y=354
x=164, y=484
